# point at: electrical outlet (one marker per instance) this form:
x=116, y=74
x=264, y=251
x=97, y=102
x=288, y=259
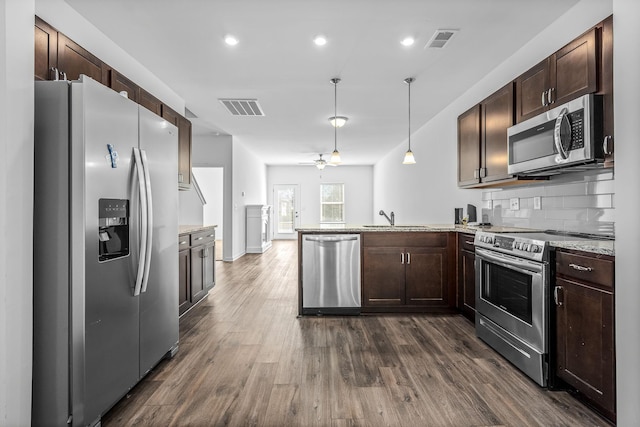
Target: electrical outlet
x=537, y=203
x=514, y=204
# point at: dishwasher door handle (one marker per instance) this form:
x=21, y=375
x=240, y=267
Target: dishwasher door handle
x=330, y=238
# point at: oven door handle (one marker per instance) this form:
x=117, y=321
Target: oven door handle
x=508, y=261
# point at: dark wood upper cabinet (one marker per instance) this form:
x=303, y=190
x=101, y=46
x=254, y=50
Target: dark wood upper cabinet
x=606, y=88
x=482, y=141
x=469, y=147
x=184, y=145
x=531, y=89
x=567, y=74
x=149, y=101
x=46, y=50
x=497, y=117
x=73, y=60
x=120, y=83
x=59, y=57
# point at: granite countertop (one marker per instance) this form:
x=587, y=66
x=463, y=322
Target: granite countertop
x=353, y=228
x=604, y=247
x=183, y=229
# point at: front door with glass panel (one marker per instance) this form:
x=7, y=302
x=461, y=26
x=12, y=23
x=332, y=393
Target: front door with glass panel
x=286, y=201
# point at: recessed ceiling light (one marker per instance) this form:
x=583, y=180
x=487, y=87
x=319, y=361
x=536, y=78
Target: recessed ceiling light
x=231, y=40
x=320, y=40
x=407, y=41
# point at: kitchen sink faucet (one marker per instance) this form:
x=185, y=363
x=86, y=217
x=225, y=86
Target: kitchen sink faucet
x=391, y=220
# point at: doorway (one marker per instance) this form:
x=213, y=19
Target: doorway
x=211, y=183
x=286, y=200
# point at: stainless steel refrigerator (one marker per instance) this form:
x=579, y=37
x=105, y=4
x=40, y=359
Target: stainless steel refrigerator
x=105, y=249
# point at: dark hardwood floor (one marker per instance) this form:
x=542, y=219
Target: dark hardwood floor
x=246, y=359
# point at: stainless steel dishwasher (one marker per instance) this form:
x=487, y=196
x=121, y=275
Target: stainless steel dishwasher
x=331, y=274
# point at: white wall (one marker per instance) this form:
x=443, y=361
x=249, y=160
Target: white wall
x=67, y=20
x=626, y=65
x=16, y=210
x=211, y=181
x=190, y=209
x=209, y=150
x=358, y=187
x=249, y=188
x=427, y=192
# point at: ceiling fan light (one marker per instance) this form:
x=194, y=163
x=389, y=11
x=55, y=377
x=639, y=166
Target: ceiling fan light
x=335, y=158
x=408, y=158
x=338, y=121
x=320, y=165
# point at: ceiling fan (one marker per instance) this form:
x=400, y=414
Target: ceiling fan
x=320, y=163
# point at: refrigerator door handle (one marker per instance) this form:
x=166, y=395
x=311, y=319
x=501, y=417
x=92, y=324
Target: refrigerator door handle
x=143, y=222
x=147, y=258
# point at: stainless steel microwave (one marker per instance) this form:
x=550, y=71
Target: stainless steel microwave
x=552, y=142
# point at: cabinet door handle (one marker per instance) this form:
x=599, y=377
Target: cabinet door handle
x=476, y=173
x=555, y=295
x=408, y=258
x=469, y=242
x=402, y=258
x=180, y=178
x=550, y=99
x=543, y=100
x=580, y=267
x=483, y=172
x=605, y=145
x=199, y=238
x=54, y=74
x=211, y=235
x=183, y=243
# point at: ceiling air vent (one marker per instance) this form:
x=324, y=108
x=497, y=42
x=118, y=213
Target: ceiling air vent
x=242, y=107
x=441, y=38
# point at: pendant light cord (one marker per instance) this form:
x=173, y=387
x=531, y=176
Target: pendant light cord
x=335, y=114
x=409, y=84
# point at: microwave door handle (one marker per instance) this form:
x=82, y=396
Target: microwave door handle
x=561, y=121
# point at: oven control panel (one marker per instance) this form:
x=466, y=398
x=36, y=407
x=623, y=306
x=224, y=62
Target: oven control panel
x=512, y=244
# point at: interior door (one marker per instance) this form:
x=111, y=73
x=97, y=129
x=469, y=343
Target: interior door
x=286, y=199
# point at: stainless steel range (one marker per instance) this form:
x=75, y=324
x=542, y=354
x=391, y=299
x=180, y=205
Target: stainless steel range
x=512, y=296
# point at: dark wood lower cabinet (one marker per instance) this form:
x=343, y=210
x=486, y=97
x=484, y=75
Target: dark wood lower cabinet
x=408, y=272
x=585, y=333
x=184, y=280
x=197, y=267
x=467, y=276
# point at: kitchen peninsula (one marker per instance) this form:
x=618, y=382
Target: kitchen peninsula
x=416, y=268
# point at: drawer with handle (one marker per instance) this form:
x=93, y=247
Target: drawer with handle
x=183, y=241
x=203, y=237
x=597, y=269
x=465, y=242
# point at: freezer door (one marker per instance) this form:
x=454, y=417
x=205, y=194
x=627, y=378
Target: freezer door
x=159, y=302
x=105, y=354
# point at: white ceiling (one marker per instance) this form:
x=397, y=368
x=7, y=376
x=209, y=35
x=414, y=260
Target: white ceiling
x=277, y=63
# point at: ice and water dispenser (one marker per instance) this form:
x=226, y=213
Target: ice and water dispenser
x=113, y=229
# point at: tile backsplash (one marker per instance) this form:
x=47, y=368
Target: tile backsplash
x=582, y=202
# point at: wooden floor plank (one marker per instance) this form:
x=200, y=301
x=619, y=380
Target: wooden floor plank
x=246, y=358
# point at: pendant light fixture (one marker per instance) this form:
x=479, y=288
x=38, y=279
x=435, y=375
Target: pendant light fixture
x=335, y=121
x=408, y=156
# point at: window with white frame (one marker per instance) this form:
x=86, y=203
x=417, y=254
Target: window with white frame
x=331, y=203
